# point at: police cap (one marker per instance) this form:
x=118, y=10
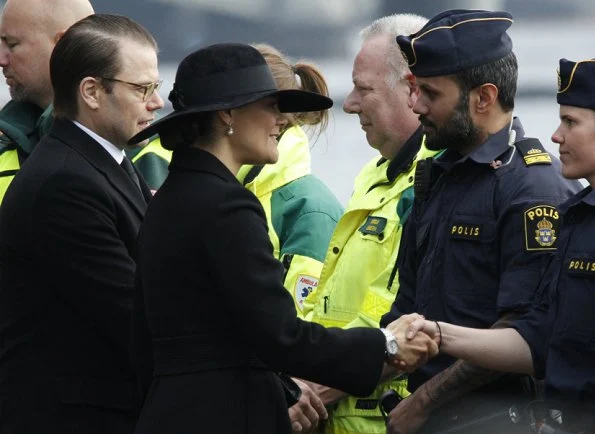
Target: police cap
x=576, y=83
x=456, y=40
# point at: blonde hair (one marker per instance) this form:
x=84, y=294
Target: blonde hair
x=301, y=75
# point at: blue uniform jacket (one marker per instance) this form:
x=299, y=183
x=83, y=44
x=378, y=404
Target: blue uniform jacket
x=567, y=358
x=475, y=248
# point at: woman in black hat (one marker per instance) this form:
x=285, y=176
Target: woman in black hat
x=211, y=311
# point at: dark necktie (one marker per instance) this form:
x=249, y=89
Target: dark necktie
x=127, y=166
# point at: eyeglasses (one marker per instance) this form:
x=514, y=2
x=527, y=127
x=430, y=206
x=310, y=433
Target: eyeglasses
x=148, y=89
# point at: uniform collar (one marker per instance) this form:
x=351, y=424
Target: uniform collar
x=405, y=156
x=491, y=149
x=586, y=196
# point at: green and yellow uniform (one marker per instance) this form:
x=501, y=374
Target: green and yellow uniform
x=301, y=212
x=358, y=282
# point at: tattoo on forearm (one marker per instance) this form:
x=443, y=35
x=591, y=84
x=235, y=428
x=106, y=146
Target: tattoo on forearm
x=462, y=377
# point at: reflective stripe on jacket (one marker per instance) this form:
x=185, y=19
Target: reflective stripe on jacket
x=9, y=166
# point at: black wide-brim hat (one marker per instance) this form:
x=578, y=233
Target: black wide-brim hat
x=227, y=76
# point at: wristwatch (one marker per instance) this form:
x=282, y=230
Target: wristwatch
x=392, y=349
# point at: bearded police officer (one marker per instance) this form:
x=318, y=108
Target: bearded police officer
x=484, y=224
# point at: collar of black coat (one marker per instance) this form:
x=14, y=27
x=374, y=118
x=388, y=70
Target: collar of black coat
x=402, y=162
x=187, y=159
x=75, y=138
x=18, y=125
x=586, y=196
x=491, y=149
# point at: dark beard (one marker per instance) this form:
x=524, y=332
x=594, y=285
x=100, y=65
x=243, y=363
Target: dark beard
x=458, y=133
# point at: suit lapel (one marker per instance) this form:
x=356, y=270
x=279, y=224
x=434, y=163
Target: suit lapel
x=146, y=190
x=67, y=132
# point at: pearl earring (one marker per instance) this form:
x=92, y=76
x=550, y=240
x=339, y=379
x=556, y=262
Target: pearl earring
x=229, y=131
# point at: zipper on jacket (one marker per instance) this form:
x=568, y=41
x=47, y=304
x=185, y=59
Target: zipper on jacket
x=326, y=297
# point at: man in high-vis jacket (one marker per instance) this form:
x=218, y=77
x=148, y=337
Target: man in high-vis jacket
x=29, y=29
x=358, y=284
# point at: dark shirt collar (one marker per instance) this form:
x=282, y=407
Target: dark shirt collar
x=586, y=196
x=490, y=150
x=404, y=157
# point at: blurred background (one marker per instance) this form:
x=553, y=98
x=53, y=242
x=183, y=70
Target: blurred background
x=326, y=32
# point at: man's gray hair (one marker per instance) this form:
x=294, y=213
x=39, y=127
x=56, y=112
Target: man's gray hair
x=393, y=26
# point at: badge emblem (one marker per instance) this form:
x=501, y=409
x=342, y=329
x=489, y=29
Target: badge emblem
x=545, y=235
x=373, y=225
x=303, y=287
x=541, y=228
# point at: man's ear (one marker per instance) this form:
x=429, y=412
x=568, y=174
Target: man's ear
x=485, y=96
x=89, y=92
x=413, y=89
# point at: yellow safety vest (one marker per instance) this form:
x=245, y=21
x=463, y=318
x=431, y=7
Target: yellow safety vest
x=354, y=285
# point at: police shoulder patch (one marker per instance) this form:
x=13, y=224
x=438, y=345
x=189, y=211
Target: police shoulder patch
x=542, y=225
x=533, y=152
x=304, y=285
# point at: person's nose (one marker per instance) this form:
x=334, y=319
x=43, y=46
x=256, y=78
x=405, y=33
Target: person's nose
x=4, y=56
x=557, y=137
x=351, y=103
x=282, y=120
x=155, y=102
x=419, y=107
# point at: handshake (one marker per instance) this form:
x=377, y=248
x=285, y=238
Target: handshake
x=418, y=340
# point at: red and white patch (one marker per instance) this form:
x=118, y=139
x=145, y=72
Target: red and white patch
x=304, y=286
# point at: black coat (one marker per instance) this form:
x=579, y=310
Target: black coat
x=68, y=224
x=220, y=322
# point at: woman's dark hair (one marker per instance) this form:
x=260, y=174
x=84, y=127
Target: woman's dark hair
x=182, y=132
x=90, y=48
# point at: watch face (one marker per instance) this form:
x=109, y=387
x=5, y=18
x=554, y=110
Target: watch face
x=391, y=347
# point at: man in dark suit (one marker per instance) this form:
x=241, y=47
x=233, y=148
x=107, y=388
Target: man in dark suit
x=68, y=226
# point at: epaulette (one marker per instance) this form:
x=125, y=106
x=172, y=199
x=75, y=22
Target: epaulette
x=533, y=152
